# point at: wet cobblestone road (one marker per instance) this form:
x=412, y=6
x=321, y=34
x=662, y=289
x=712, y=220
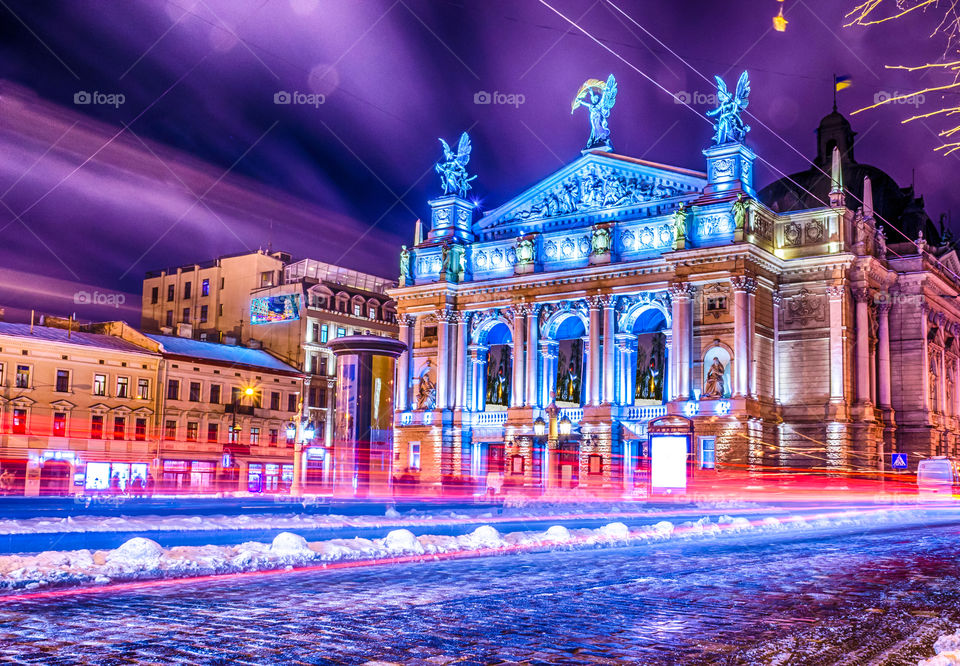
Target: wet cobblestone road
x=880, y=597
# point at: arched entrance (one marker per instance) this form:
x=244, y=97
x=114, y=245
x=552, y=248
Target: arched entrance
x=565, y=357
x=493, y=365
x=645, y=339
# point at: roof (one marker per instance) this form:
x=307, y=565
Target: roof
x=217, y=353
x=66, y=337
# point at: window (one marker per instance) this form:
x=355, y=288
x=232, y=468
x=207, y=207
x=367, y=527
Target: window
x=99, y=384
x=429, y=334
x=140, y=429
x=170, y=430
x=171, y=292
x=186, y=315
x=313, y=400
x=203, y=314
x=414, y=455
x=254, y=436
x=193, y=431
x=235, y=395
x=143, y=389
x=323, y=365
x=266, y=279
x=292, y=402
x=233, y=434
x=1, y=374
x=324, y=333
x=372, y=312
x=63, y=381
x=169, y=317
x=187, y=289
x=173, y=389
x=314, y=362
x=119, y=427
x=222, y=282
x=213, y=432
x=96, y=426
x=341, y=332
x=321, y=396
x=708, y=452
x=154, y=295
x=357, y=309
x=273, y=436
x=275, y=400
x=59, y=424
x=215, y=394
x=595, y=464
x=220, y=310
x=316, y=332
x=195, y=391
x=123, y=387
x=23, y=376
x=205, y=287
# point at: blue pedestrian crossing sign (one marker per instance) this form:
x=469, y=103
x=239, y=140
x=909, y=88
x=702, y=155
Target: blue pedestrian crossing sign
x=898, y=460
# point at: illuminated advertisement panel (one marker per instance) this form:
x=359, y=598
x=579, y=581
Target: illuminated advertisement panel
x=273, y=309
x=668, y=463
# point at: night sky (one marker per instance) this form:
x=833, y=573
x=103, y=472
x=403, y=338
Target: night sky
x=105, y=192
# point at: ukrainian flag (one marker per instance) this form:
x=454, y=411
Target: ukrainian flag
x=841, y=82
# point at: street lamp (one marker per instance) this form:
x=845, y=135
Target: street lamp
x=565, y=425
x=539, y=427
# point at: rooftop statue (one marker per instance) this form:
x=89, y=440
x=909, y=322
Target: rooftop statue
x=599, y=98
x=453, y=171
x=730, y=126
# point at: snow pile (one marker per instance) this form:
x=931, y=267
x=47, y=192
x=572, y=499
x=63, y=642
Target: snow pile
x=140, y=559
x=947, y=649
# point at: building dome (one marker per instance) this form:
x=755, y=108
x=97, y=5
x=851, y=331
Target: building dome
x=896, y=206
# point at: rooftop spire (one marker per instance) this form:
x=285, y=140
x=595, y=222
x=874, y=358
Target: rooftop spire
x=836, y=180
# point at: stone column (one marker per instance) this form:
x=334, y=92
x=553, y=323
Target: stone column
x=478, y=368
x=517, y=390
x=752, y=337
x=460, y=387
x=548, y=370
x=776, y=346
x=682, y=337
x=883, y=356
x=862, y=297
x=835, y=294
x=671, y=381
x=743, y=287
x=627, y=375
x=533, y=331
x=593, y=381
x=443, y=358
x=609, y=358
x=407, y=324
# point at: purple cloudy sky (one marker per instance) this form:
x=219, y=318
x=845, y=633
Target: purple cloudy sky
x=199, y=161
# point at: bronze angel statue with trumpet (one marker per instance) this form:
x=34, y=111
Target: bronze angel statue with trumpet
x=730, y=126
x=598, y=97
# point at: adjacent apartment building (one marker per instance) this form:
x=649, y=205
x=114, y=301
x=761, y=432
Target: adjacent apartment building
x=260, y=300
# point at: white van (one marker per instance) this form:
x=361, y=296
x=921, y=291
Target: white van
x=939, y=476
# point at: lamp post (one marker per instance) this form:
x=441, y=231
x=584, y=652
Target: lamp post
x=552, y=412
x=237, y=401
x=299, y=431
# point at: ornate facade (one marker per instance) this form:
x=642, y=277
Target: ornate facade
x=793, y=333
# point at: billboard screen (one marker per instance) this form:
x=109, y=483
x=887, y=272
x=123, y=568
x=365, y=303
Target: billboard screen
x=273, y=309
x=668, y=464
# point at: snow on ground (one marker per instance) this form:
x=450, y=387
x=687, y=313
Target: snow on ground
x=306, y=521
x=947, y=649
x=144, y=559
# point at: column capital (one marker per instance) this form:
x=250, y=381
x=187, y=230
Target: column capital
x=745, y=283
x=608, y=301
x=777, y=298
x=445, y=314
x=461, y=316
x=595, y=302
x=862, y=294
x=681, y=290
x=406, y=320
x=836, y=291
x=883, y=308
x=521, y=309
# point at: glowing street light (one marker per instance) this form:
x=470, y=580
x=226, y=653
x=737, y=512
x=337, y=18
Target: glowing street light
x=539, y=427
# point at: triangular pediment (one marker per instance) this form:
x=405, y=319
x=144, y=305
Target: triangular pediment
x=951, y=263
x=598, y=185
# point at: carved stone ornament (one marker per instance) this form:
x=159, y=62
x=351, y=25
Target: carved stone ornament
x=804, y=307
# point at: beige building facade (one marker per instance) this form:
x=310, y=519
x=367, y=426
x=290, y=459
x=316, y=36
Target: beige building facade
x=809, y=325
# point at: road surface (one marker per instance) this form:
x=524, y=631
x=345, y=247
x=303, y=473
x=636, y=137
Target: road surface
x=881, y=596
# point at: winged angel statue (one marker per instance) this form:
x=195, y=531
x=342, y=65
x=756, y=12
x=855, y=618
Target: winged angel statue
x=453, y=171
x=599, y=97
x=730, y=127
